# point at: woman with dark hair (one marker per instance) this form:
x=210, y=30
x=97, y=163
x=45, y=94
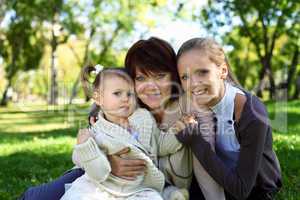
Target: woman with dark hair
x=152, y=65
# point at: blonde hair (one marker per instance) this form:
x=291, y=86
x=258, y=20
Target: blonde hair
x=90, y=87
x=213, y=50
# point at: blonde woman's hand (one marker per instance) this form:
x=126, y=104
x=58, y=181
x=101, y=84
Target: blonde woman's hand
x=183, y=122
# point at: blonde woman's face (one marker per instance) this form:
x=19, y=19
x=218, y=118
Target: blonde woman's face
x=116, y=97
x=201, y=79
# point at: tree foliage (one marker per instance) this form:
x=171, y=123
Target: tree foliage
x=262, y=25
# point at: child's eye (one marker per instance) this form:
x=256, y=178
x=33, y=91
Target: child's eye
x=184, y=77
x=139, y=78
x=118, y=93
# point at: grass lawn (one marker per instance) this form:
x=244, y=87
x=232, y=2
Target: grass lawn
x=36, y=144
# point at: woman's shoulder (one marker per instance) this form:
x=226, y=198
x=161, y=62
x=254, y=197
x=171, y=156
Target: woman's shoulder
x=250, y=108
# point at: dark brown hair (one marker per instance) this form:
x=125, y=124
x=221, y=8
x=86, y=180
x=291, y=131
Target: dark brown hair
x=86, y=76
x=152, y=56
x=210, y=48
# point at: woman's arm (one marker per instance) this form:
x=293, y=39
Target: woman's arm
x=240, y=180
x=167, y=143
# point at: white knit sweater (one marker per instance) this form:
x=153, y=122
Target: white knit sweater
x=112, y=138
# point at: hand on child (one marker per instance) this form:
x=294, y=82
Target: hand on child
x=126, y=168
x=83, y=135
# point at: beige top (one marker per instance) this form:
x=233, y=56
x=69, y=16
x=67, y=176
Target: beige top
x=112, y=138
x=177, y=167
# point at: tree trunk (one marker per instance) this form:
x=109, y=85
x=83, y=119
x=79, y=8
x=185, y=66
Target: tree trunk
x=266, y=70
x=272, y=87
x=292, y=71
x=4, y=99
x=297, y=89
x=74, y=89
x=81, y=64
x=54, y=85
x=261, y=77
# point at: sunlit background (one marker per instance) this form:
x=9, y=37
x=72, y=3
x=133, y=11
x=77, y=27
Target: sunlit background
x=44, y=44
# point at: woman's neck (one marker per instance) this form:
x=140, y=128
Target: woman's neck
x=158, y=115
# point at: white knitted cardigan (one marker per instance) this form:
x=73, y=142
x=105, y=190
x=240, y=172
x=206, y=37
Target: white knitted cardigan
x=112, y=138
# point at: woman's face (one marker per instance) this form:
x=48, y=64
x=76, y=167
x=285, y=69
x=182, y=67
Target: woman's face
x=201, y=79
x=154, y=90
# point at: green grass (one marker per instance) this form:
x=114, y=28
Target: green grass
x=285, y=118
x=36, y=144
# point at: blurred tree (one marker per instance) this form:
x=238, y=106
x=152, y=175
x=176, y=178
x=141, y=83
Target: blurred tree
x=262, y=23
x=2, y=10
x=21, y=44
x=109, y=24
x=62, y=25
x=32, y=24
x=96, y=31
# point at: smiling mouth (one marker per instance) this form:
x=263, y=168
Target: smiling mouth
x=199, y=92
x=153, y=94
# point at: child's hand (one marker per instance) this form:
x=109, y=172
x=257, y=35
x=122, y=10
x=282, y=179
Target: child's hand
x=83, y=135
x=92, y=120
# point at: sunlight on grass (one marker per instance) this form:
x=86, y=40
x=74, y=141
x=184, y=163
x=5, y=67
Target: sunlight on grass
x=38, y=127
x=60, y=145
x=36, y=145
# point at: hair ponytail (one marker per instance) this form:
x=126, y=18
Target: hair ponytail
x=85, y=80
x=90, y=86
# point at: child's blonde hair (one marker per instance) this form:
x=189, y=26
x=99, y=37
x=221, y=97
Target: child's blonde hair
x=210, y=48
x=90, y=87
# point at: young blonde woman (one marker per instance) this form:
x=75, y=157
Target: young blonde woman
x=244, y=163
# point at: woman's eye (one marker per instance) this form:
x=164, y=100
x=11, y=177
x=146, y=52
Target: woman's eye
x=130, y=94
x=202, y=72
x=160, y=76
x=184, y=77
x=139, y=78
x=117, y=93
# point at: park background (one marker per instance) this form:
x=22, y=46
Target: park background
x=44, y=45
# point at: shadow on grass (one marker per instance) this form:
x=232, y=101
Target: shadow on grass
x=24, y=169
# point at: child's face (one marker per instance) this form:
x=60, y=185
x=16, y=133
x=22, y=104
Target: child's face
x=116, y=97
x=201, y=79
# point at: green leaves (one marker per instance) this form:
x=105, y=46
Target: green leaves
x=255, y=27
